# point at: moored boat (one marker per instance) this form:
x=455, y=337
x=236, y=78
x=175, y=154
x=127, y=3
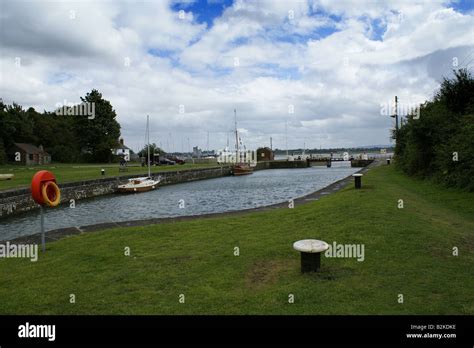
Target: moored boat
x=240, y=168
x=139, y=185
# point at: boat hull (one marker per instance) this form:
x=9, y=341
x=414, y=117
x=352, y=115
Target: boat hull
x=241, y=170
x=242, y=173
x=138, y=185
x=136, y=189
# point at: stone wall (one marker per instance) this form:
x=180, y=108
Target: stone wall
x=19, y=200
x=361, y=163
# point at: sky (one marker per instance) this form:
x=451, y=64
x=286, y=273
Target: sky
x=308, y=73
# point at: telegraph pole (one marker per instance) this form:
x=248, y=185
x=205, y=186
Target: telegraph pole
x=395, y=115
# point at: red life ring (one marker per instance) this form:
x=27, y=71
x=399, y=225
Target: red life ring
x=44, y=189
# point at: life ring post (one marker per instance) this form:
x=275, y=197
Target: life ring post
x=43, y=236
x=46, y=193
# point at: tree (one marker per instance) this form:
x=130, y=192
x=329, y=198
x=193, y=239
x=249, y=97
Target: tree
x=440, y=144
x=154, y=149
x=458, y=93
x=3, y=155
x=64, y=148
x=68, y=138
x=97, y=135
x=16, y=125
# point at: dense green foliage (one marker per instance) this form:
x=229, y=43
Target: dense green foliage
x=67, y=138
x=154, y=149
x=440, y=143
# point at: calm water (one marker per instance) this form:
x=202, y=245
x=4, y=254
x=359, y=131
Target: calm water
x=230, y=193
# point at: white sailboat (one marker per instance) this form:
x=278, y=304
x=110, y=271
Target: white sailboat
x=142, y=184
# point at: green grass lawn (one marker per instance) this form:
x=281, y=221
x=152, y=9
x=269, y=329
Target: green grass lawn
x=407, y=251
x=77, y=172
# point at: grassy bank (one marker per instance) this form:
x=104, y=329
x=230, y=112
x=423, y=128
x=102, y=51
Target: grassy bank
x=407, y=251
x=77, y=172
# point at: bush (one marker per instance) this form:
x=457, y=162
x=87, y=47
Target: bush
x=3, y=155
x=426, y=146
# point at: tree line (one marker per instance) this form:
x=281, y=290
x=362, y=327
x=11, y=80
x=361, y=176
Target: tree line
x=66, y=137
x=439, y=144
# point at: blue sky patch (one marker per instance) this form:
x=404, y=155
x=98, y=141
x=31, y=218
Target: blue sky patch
x=378, y=29
x=462, y=6
x=205, y=11
x=161, y=52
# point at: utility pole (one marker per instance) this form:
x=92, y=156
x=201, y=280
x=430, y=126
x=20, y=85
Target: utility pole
x=271, y=145
x=395, y=115
x=286, y=137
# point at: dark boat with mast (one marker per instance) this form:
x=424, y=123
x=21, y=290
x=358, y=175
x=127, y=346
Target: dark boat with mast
x=240, y=167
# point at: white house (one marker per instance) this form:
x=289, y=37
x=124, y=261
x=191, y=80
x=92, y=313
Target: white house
x=123, y=150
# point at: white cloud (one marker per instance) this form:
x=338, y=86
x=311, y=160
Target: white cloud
x=286, y=51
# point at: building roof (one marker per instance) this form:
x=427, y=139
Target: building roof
x=120, y=145
x=29, y=148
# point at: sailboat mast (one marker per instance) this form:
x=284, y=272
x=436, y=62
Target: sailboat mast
x=148, y=142
x=236, y=138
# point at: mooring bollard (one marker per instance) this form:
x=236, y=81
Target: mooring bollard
x=310, y=250
x=358, y=180
x=102, y=171
x=388, y=161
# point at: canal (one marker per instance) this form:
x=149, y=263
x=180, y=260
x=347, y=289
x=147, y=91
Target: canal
x=262, y=188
